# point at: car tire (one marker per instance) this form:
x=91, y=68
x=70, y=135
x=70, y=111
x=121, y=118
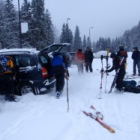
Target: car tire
x=28, y=88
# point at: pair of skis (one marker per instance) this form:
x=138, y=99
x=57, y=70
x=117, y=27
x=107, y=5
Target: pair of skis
x=97, y=116
x=131, y=76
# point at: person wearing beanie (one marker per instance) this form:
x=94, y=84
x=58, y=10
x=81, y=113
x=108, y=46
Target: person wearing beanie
x=122, y=52
x=88, y=59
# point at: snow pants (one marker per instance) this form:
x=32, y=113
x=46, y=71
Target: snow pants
x=119, y=81
x=136, y=64
x=60, y=81
x=80, y=67
x=7, y=83
x=89, y=66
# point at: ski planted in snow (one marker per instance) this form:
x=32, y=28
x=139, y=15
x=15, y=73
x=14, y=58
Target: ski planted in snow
x=102, y=74
x=99, y=121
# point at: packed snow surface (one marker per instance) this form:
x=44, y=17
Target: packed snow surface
x=43, y=117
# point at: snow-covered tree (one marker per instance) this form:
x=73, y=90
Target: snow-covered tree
x=8, y=25
x=84, y=46
x=63, y=34
x=77, y=39
x=37, y=24
x=49, y=29
x=25, y=18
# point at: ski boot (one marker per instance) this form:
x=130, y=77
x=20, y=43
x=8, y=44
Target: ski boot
x=58, y=94
x=10, y=98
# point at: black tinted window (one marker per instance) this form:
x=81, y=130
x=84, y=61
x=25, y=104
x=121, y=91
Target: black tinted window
x=26, y=61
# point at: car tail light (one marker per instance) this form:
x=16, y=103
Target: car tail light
x=44, y=72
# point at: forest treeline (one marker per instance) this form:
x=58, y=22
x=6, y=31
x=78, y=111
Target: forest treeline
x=42, y=32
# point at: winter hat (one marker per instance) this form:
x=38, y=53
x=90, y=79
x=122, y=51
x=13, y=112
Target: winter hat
x=135, y=48
x=79, y=50
x=121, y=47
x=113, y=55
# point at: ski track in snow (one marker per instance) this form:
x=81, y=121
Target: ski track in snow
x=43, y=117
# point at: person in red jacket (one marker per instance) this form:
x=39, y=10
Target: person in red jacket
x=80, y=59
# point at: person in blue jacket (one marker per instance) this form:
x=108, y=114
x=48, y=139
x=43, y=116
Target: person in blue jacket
x=60, y=70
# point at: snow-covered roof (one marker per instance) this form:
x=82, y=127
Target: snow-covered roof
x=31, y=50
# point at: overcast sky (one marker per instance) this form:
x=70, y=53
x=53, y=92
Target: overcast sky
x=110, y=18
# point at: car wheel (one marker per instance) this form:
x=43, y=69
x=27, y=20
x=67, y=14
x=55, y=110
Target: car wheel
x=26, y=88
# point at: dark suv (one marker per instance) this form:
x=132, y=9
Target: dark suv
x=33, y=68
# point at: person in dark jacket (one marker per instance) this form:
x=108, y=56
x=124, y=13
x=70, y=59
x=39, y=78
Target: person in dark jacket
x=136, y=60
x=88, y=59
x=7, y=77
x=59, y=68
x=116, y=65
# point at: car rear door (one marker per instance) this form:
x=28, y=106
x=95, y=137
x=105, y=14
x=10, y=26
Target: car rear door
x=55, y=48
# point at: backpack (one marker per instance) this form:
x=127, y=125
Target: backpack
x=122, y=53
x=131, y=88
x=131, y=82
x=3, y=64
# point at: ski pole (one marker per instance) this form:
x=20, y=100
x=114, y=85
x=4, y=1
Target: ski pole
x=67, y=97
x=102, y=72
x=106, y=68
x=67, y=75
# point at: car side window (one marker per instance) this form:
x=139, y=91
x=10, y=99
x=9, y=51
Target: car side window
x=43, y=60
x=26, y=61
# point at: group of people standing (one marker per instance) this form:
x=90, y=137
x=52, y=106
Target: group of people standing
x=60, y=68
x=84, y=59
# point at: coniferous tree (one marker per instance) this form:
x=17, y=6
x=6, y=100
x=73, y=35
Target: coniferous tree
x=108, y=43
x=69, y=36
x=77, y=39
x=49, y=29
x=26, y=18
x=63, y=34
x=37, y=25
x=56, y=35
x=25, y=11
x=88, y=42
x=2, y=25
x=9, y=30
x=66, y=35
x=84, y=43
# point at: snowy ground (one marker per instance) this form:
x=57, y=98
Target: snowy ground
x=44, y=117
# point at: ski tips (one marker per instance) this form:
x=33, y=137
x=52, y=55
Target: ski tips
x=85, y=113
x=111, y=131
x=92, y=107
